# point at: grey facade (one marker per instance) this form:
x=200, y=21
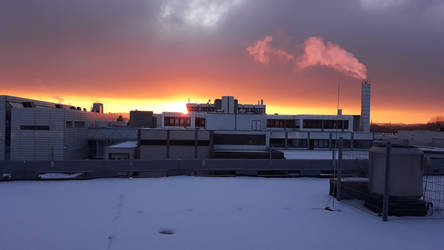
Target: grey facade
x=173, y=144
x=36, y=130
x=142, y=119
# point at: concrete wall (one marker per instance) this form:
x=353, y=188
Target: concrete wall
x=18, y=170
x=95, y=169
x=152, y=152
x=220, y=121
x=173, y=144
x=245, y=122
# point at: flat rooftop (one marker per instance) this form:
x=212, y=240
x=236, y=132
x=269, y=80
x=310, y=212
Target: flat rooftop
x=201, y=213
x=126, y=144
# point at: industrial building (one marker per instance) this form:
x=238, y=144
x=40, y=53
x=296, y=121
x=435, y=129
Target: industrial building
x=246, y=131
x=36, y=130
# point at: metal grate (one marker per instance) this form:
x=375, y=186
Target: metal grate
x=434, y=191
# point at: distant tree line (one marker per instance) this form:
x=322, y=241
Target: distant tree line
x=435, y=124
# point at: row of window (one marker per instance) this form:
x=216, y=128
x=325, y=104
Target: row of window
x=75, y=124
x=34, y=127
x=282, y=123
x=184, y=122
x=325, y=124
x=69, y=124
x=177, y=121
x=319, y=143
x=251, y=110
x=201, y=109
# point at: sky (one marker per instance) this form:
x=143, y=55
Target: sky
x=155, y=55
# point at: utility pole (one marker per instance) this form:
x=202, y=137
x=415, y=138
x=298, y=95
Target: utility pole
x=385, y=204
x=339, y=167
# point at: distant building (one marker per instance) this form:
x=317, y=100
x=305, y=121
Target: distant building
x=244, y=129
x=37, y=130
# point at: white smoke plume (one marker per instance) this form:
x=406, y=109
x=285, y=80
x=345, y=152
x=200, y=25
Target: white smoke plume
x=262, y=52
x=315, y=53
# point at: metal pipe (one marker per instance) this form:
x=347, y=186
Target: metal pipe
x=385, y=204
x=339, y=166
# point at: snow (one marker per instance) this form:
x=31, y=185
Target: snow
x=127, y=144
x=324, y=154
x=354, y=179
x=59, y=176
x=201, y=213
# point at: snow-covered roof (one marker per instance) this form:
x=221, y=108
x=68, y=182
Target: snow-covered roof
x=127, y=144
x=323, y=154
x=200, y=213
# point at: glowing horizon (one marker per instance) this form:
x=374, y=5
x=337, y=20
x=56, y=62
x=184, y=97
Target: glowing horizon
x=178, y=104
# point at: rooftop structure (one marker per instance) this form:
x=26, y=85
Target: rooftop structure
x=227, y=104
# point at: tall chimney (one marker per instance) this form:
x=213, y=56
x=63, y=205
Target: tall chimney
x=365, y=106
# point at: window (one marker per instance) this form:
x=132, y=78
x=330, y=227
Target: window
x=335, y=124
x=297, y=143
x=282, y=123
x=256, y=125
x=362, y=144
x=312, y=123
x=177, y=121
x=325, y=124
x=79, y=124
x=34, y=127
x=321, y=143
x=68, y=124
x=277, y=142
x=199, y=122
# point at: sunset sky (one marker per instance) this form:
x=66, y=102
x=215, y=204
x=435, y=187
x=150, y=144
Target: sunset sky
x=155, y=54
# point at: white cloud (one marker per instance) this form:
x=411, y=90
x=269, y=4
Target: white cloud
x=382, y=4
x=203, y=13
